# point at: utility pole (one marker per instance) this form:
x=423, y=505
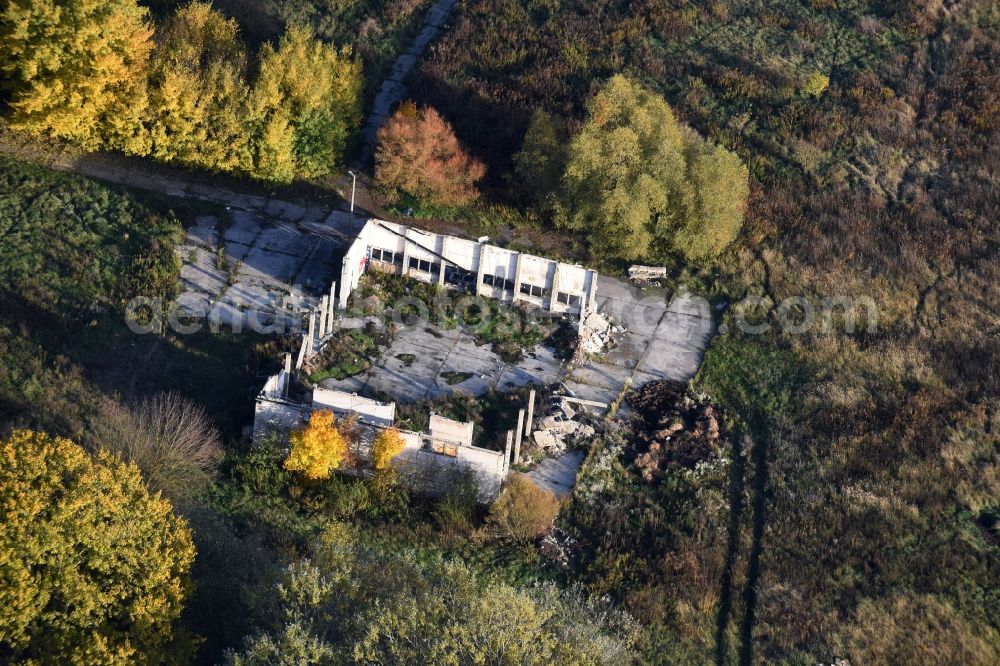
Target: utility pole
x=354, y=185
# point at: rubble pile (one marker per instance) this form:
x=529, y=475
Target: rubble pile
x=559, y=547
x=560, y=427
x=597, y=334
x=671, y=428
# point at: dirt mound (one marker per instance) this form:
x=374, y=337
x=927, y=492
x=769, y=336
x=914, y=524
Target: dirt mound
x=671, y=428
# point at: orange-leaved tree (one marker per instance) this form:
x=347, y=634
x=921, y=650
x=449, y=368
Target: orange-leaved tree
x=318, y=448
x=387, y=445
x=418, y=154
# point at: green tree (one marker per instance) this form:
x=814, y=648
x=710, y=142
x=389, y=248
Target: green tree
x=198, y=94
x=539, y=165
x=372, y=604
x=303, y=107
x=76, y=69
x=93, y=569
x=720, y=185
x=639, y=184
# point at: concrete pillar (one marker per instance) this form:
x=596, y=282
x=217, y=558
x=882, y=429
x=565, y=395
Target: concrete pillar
x=554, y=304
x=406, y=250
x=517, y=278
x=288, y=375
x=506, y=450
x=517, y=436
x=444, y=253
x=333, y=304
x=531, y=413
x=322, y=317
x=480, y=265
x=591, y=300
x=312, y=333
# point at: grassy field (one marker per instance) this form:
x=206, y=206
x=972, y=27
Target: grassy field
x=73, y=254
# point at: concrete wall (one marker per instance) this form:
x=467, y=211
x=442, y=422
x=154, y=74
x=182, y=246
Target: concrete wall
x=492, y=271
x=276, y=416
x=355, y=261
x=429, y=461
x=367, y=410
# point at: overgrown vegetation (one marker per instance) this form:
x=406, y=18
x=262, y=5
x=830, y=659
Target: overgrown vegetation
x=348, y=353
x=869, y=481
x=510, y=329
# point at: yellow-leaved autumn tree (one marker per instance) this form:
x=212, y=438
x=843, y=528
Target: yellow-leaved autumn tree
x=387, y=445
x=318, y=448
x=76, y=69
x=93, y=569
x=303, y=106
x=198, y=93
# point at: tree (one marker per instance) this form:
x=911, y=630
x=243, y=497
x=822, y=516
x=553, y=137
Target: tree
x=318, y=448
x=387, y=445
x=93, y=569
x=170, y=439
x=304, y=105
x=418, y=154
x=198, y=94
x=635, y=179
x=377, y=604
x=720, y=183
x=523, y=511
x=539, y=165
x=76, y=69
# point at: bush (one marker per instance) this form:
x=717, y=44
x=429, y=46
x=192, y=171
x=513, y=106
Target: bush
x=94, y=568
x=170, y=439
x=523, y=511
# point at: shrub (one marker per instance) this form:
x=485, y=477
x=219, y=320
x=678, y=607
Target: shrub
x=93, y=567
x=318, y=448
x=170, y=439
x=816, y=84
x=418, y=154
x=523, y=511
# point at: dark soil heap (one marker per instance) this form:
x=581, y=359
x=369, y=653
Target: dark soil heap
x=671, y=428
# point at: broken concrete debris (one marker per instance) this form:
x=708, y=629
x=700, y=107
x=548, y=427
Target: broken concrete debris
x=596, y=333
x=644, y=275
x=561, y=426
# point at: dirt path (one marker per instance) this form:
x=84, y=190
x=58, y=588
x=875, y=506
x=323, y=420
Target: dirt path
x=393, y=87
